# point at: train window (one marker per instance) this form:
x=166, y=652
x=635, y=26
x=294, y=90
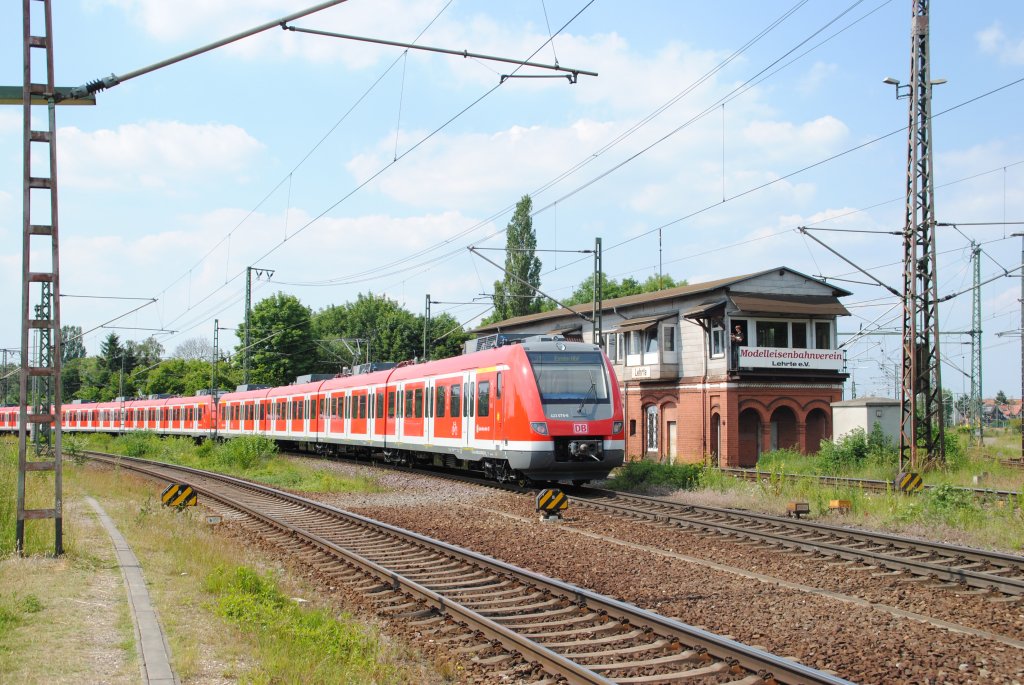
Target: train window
x=391, y=404
x=497, y=387
x=308, y=407
x=469, y=397
x=465, y=399
x=430, y=402
x=408, y=404
x=380, y=405
x=440, y=401
x=362, y=406
x=419, y=402
x=483, y=399
x=455, y=401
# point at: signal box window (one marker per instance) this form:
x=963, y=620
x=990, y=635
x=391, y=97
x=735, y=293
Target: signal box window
x=799, y=335
x=440, y=401
x=483, y=399
x=717, y=339
x=772, y=334
x=822, y=335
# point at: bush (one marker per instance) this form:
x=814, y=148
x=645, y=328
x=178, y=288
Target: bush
x=849, y=452
x=641, y=475
x=245, y=453
x=141, y=444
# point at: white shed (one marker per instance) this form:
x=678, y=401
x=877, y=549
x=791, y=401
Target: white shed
x=865, y=412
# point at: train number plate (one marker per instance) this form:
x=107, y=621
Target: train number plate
x=580, y=428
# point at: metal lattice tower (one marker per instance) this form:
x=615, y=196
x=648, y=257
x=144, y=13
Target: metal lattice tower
x=41, y=409
x=921, y=420
x=975, y=406
x=598, y=312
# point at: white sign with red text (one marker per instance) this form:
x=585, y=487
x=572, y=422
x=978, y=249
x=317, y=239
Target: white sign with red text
x=789, y=358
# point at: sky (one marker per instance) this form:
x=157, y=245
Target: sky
x=347, y=167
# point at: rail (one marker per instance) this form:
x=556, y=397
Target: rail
x=573, y=633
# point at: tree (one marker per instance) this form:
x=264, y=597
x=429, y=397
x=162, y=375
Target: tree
x=180, y=377
x=281, y=340
x=610, y=288
x=445, y=336
x=71, y=344
x=1001, y=397
x=111, y=352
x=194, y=348
x=387, y=331
x=516, y=294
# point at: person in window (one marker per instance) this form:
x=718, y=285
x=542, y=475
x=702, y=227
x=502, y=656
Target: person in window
x=736, y=340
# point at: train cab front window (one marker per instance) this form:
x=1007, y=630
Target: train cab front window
x=570, y=383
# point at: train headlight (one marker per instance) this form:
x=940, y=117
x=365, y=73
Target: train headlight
x=616, y=427
x=539, y=427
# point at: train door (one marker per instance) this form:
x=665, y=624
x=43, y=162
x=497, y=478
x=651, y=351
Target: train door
x=485, y=409
x=412, y=429
x=428, y=413
x=294, y=415
x=465, y=393
x=391, y=407
x=279, y=413
x=380, y=418
x=448, y=421
x=316, y=423
x=338, y=414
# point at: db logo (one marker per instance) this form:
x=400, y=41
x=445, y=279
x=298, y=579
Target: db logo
x=580, y=428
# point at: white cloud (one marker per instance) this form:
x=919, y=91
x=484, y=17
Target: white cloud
x=208, y=20
x=994, y=41
x=153, y=154
x=817, y=75
x=472, y=170
x=826, y=130
x=10, y=120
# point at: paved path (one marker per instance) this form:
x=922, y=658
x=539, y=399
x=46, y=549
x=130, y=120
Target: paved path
x=149, y=636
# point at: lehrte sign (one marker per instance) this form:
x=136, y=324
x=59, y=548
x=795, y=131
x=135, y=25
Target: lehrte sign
x=789, y=358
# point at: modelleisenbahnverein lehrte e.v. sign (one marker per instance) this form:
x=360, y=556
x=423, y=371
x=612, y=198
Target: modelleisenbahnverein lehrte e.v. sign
x=789, y=358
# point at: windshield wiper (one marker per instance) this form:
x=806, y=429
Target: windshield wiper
x=593, y=389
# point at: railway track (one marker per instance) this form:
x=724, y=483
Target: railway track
x=952, y=566
x=575, y=635
x=955, y=566
x=859, y=483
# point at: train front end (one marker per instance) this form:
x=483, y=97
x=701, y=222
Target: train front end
x=574, y=411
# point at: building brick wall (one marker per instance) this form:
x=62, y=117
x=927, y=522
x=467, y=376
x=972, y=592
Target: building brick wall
x=802, y=413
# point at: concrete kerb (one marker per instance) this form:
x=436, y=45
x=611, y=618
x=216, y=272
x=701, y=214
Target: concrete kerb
x=155, y=654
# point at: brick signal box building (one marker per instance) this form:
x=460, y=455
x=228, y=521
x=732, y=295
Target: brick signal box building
x=719, y=371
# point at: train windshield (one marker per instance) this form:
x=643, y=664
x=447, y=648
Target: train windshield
x=570, y=378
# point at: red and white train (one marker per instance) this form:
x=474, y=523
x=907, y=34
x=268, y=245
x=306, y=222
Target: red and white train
x=545, y=409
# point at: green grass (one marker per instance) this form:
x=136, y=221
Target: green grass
x=252, y=457
x=14, y=609
x=296, y=645
x=39, y=533
x=641, y=476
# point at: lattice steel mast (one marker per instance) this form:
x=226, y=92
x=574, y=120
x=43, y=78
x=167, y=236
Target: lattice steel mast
x=975, y=411
x=921, y=425
x=40, y=181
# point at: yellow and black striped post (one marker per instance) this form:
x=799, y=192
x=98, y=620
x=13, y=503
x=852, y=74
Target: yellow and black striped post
x=909, y=482
x=551, y=503
x=179, y=495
